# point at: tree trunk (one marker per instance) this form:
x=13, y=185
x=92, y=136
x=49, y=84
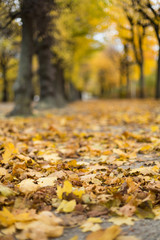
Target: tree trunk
x=101, y=81
x=141, y=64
x=101, y=91
x=101, y=76
x=23, y=84
x=158, y=75
x=47, y=70
x=121, y=75
x=73, y=93
x=60, y=85
x=128, y=80
x=5, y=94
x=120, y=86
x=46, y=75
x=141, y=81
x=127, y=70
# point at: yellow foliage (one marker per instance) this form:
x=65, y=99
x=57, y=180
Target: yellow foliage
x=76, y=27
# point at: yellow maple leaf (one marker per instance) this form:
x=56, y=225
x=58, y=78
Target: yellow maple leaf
x=67, y=206
x=67, y=188
x=10, y=151
x=154, y=128
x=72, y=163
x=6, y=218
x=78, y=192
x=37, y=137
x=146, y=148
x=24, y=217
x=155, y=168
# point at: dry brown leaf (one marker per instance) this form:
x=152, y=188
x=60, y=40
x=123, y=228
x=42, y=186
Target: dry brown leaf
x=27, y=186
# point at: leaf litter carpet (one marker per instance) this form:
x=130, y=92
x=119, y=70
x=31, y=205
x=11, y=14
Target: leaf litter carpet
x=81, y=166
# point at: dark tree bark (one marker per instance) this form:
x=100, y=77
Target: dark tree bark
x=101, y=76
x=158, y=75
x=128, y=81
x=137, y=48
x=50, y=74
x=4, y=59
x=52, y=81
x=47, y=74
x=127, y=70
x=121, y=80
x=141, y=63
x=5, y=85
x=139, y=56
x=23, y=84
x=152, y=15
x=61, y=98
x=141, y=81
x=72, y=93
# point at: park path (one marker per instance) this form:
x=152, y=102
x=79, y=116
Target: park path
x=96, y=160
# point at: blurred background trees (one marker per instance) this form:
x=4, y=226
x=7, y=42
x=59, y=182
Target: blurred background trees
x=57, y=50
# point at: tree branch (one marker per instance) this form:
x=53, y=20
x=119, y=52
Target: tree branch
x=12, y=16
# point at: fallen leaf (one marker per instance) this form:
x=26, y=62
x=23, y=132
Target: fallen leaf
x=10, y=151
x=110, y=233
x=27, y=186
x=46, y=181
x=154, y=128
x=67, y=188
x=89, y=226
x=9, y=231
x=6, y=218
x=45, y=225
x=3, y=171
x=122, y=220
x=128, y=210
x=94, y=220
x=67, y=206
x=79, y=192
x=6, y=191
x=74, y=238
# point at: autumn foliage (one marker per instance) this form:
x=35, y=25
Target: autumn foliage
x=87, y=165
